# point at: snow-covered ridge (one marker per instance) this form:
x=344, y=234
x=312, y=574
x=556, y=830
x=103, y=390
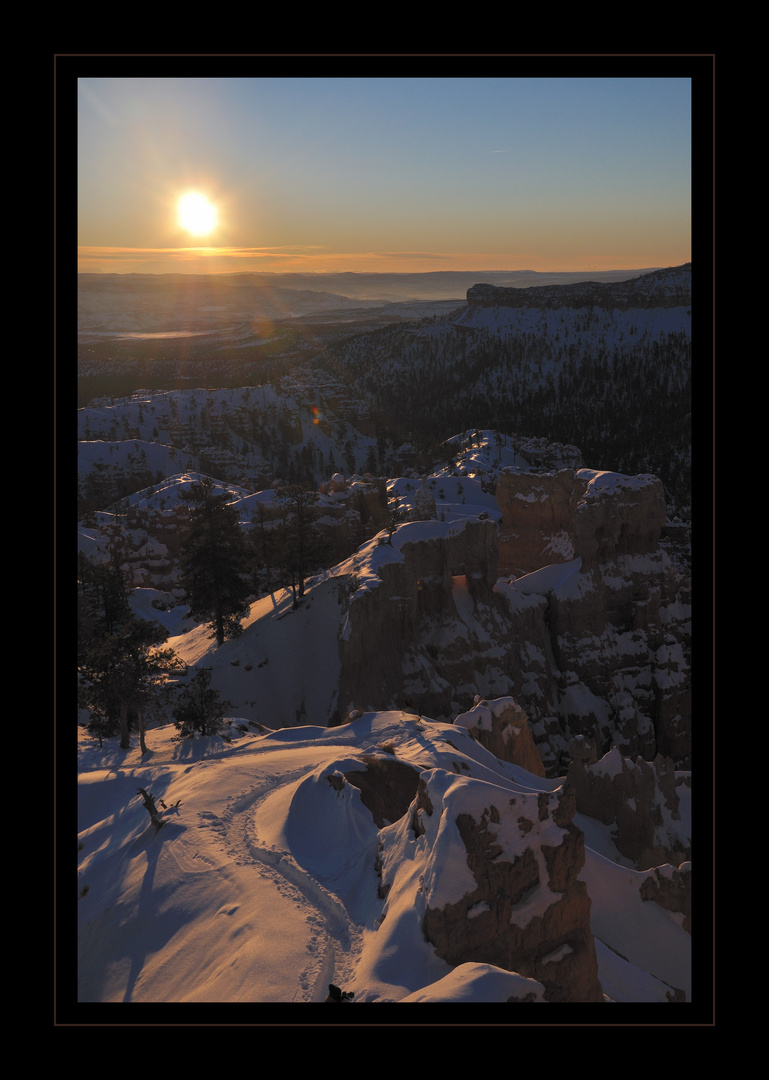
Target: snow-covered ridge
x=275, y=878
x=270, y=879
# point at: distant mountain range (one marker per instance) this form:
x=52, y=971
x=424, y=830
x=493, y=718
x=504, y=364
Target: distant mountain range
x=336, y=289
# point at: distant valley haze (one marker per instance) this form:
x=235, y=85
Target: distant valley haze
x=374, y=287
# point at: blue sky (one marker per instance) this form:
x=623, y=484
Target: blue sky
x=385, y=173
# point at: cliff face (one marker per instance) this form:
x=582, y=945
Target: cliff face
x=671, y=888
x=430, y=623
x=558, y=516
x=611, y=658
x=593, y=644
x=641, y=799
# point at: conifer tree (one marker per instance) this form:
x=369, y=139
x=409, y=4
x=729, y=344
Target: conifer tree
x=120, y=670
x=301, y=546
x=214, y=563
x=199, y=709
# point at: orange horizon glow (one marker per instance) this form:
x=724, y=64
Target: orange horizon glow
x=402, y=175
x=225, y=260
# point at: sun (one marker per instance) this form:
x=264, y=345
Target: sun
x=197, y=214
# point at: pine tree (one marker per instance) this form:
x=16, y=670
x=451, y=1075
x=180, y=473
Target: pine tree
x=199, y=709
x=102, y=599
x=261, y=542
x=120, y=674
x=301, y=547
x=214, y=563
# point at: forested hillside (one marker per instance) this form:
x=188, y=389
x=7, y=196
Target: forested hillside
x=615, y=383
x=613, y=379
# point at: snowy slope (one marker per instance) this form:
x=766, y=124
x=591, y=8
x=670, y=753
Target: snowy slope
x=261, y=886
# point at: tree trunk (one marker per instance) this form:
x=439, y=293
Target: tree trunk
x=125, y=742
x=149, y=806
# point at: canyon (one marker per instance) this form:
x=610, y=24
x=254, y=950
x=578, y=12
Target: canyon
x=465, y=752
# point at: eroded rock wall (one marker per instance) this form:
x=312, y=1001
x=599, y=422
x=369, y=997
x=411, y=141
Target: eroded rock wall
x=671, y=888
x=614, y=661
x=595, y=645
x=553, y=517
x=499, y=881
x=502, y=727
x=405, y=643
x=640, y=799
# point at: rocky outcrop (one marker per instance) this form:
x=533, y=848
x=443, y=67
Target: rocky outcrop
x=613, y=664
x=671, y=888
x=410, y=635
x=349, y=512
x=640, y=799
x=601, y=653
x=499, y=881
x=148, y=540
x=144, y=547
x=503, y=728
x=595, y=516
x=387, y=787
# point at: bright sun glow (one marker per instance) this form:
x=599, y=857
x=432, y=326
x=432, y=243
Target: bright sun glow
x=197, y=214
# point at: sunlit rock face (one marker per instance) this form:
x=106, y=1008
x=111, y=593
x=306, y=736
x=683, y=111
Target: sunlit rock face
x=503, y=728
x=558, y=516
x=498, y=880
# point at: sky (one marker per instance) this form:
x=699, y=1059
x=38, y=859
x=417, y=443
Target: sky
x=384, y=174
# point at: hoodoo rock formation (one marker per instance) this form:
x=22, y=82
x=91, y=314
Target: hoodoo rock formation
x=640, y=799
x=671, y=888
x=503, y=728
x=595, y=516
x=592, y=641
x=147, y=541
x=498, y=880
x=410, y=626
